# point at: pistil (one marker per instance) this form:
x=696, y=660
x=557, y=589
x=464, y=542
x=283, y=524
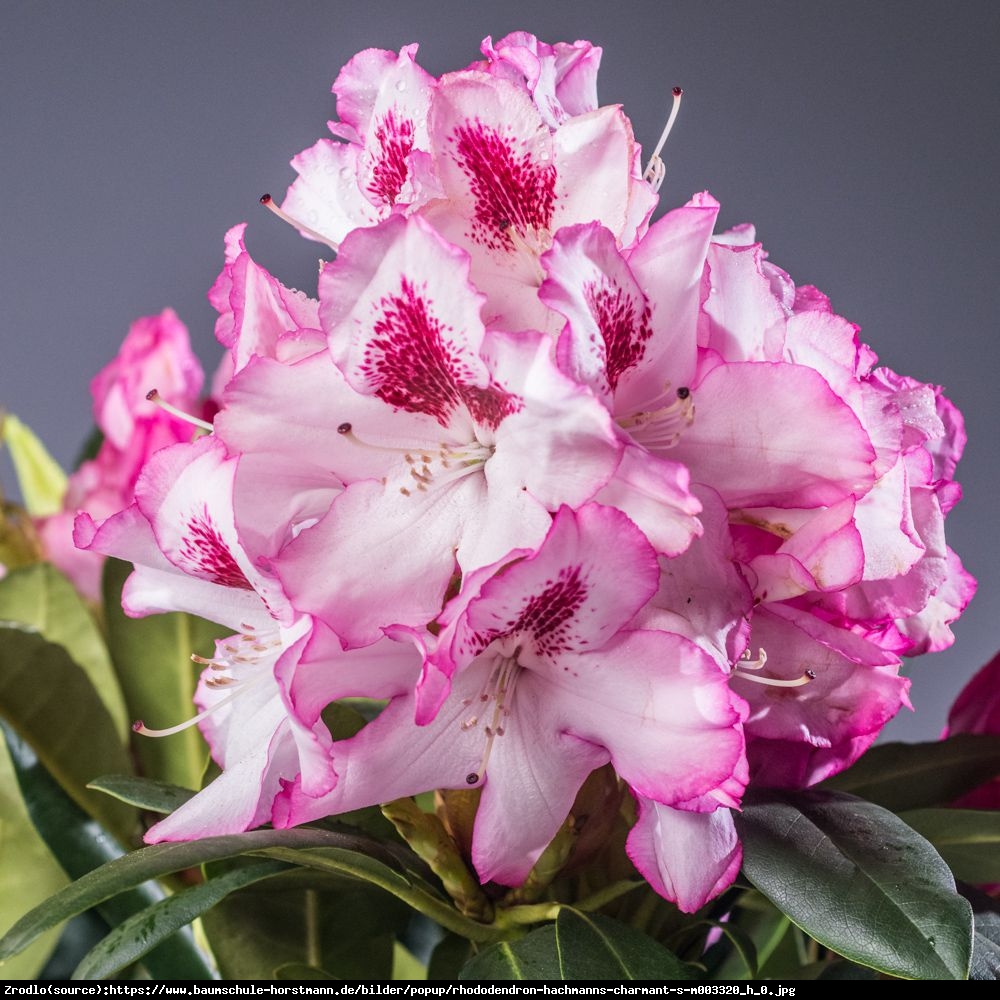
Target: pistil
x=655, y=170
x=268, y=202
x=747, y=666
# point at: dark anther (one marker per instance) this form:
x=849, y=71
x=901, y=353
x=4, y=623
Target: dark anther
x=811, y=674
x=503, y=224
x=471, y=778
x=678, y=91
x=344, y=428
x=683, y=392
x=151, y=395
x=265, y=199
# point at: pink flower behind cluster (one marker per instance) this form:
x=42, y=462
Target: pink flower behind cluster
x=977, y=710
x=566, y=487
x=155, y=354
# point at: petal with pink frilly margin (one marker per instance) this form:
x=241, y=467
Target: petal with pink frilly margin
x=775, y=435
x=561, y=78
x=687, y=857
x=258, y=316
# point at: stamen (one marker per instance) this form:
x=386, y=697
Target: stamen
x=154, y=397
x=268, y=202
x=225, y=667
x=655, y=169
x=748, y=663
x=451, y=462
x=503, y=681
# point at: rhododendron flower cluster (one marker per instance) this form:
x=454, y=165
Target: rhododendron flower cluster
x=564, y=486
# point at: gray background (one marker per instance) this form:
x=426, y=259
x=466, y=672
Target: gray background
x=860, y=137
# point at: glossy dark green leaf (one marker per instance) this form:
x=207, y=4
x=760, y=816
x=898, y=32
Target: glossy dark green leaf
x=846, y=970
x=40, y=596
x=346, y=932
x=534, y=956
x=968, y=839
x=412, y=885
x=49, y=701
x=295, y=972
x=81, y=846
x=857, y=879
x=902, y=776
x=986, y=947
x=139, y=866
x=144, y=793
x=152, y=657
x=579, y=945
x=135, y=937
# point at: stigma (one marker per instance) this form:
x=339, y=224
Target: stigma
x=268, y=202
x=661, y=428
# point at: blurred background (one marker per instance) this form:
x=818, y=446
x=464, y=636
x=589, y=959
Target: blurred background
x=861, y=139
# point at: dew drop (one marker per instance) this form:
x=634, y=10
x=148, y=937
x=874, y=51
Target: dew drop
x=400, y=85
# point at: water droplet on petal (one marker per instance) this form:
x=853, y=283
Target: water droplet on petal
x=400, y=85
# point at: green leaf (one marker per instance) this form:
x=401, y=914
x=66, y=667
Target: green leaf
x=144, y=793
x=347, y=932
x=152, y=657
x=295, y=971
x=738, y=950
x=42, y=481
x=858, y=880
x=448, y=957
x=968, y=839
x=136, y=936
x=409, y=886
x=579, y=946
x=986, y=949
x=49, y=700
x=81, y=845
x=765, y=926
x=845, y=970
x=28, y=872
x=902, y=776
x=147, y=863
x=40, y=596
